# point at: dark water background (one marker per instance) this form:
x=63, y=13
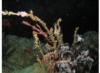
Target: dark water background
x=82, y=13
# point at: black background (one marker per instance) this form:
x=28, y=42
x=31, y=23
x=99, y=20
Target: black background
x=82, y=13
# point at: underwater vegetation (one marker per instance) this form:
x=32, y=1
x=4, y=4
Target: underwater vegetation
x=52, y=56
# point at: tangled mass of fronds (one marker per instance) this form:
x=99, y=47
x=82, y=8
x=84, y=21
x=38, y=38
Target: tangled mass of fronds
x=55, y=55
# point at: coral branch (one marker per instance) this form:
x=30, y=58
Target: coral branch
x=39, y=31
x=52, y=33
x=25, y=14
x=75, y=34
